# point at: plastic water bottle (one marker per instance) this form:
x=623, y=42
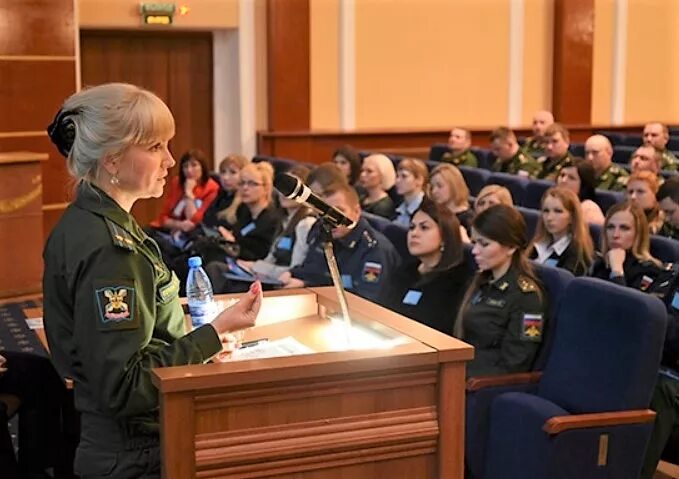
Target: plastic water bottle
x=202, y=306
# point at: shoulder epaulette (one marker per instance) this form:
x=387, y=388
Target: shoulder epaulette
x=370, y=239
x=119, y=236
x=526, y=284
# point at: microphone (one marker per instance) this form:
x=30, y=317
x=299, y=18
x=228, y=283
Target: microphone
x=292, y=188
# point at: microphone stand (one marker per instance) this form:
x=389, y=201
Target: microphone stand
x=326, y=236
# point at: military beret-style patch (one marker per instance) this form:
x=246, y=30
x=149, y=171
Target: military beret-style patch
x=531, y=327
x=116, y=305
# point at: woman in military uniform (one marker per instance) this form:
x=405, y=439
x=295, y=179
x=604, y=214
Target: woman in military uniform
x=431, y=287
x=625, y=257
x=504, y=310
x=111, y=308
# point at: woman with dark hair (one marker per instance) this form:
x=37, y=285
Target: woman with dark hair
x=348, y=160
x=562, y=237
x=578, y=176
x=625, y=256
x=504, y=310
x=431, y=287
x=189, y=195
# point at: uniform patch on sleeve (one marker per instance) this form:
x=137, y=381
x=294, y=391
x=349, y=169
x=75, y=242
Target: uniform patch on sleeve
x=646, y=282
x=531, y=327
x=116, y=306
x=371, y=272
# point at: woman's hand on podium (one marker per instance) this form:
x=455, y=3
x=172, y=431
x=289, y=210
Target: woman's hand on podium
x=241, y=315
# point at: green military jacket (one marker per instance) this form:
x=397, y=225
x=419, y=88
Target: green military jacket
x=533, y=146
x=504, y=322
x=465, y=158
x=669, y=231
x=549, y=168
x=613, y=179
x=522, y=161
x=669, y=161
x=112, y=311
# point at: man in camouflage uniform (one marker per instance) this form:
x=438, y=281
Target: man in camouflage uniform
x=657, y=135
x=557, y=141
x=609, y=176
x=668, y=199
x=534, y=145
x=460, y=141
x=646, y=158
x=510, y=158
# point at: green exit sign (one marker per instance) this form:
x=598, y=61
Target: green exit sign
x=157, y=13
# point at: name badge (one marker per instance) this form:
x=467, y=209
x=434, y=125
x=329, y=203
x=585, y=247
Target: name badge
x=198, y=203
x=285, y=243
x=247, y=229
x=675, y=301
x=412, y=297
x=551, y=262
x=347, y=282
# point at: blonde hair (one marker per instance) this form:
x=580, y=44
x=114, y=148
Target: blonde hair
x=502, y=193
x=108, y=119
x=386, y=168
x=581, y=239
x=641, y=249
x=238, y=161
x=455, y=181
x=416, y=167
x=265, y=172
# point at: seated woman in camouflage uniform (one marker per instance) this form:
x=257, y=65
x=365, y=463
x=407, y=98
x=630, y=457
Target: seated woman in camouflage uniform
x=111, y=308
x=504, y=311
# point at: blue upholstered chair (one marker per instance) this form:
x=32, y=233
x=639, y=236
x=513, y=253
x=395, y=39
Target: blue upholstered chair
x=577, y=149
x=480, y=396
x=586, y=415
x=534, y=191
x=514, y=183
x=595, y=233
x=673, y=143
x=622, y=154
x=437, y=150
x=665, y=249
x=605, y=199
x=531, y=217
x=475, y=178
x=378, y=222
x=633, y=140
x=615, y=137
x=398, y=235
x=484, y=156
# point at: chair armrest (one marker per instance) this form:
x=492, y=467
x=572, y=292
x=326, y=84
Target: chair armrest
x=558, y=424
x=474, y=384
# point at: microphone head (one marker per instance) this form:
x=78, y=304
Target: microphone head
x=286, y=184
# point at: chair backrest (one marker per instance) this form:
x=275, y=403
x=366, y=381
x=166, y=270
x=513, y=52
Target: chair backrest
x=515, y=184
x=595, y=233
x=476, y=178
x=531, y=217
x=605, y=199
x=614, y=137
x=673, y=143
x=622, y=154
x=437, y=150
x=632, y=140
x=577, y=149
x=484, y=156
x=555, y=281
x=378, y=222
x=665, y=249
x=398, y=235
x=606, y=348
x=534, y=191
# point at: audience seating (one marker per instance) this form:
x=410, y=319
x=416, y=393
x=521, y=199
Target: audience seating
x=476, y=178
x=437, y=150
x=514, y=183
x=622, y=154
x=613, y=136
x=485, y=157
x=605, y=199
x=532, y=217
x=535, y=189
x=673, y=143
x=577, y=149
x=665, y=249
x=378, y=222
x=398, y=235
x=633, y=140
x=590, y=394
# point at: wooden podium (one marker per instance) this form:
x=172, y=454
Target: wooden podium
x=392, y=411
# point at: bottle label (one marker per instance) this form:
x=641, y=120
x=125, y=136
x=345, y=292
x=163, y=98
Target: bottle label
x=202, y=313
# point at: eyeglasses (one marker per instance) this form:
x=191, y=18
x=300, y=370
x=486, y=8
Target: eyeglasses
x=249, y=184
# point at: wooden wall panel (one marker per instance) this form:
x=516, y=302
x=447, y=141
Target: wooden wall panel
x=177, y=66
x=573, y=60
x=37, y=27
x=288, y=66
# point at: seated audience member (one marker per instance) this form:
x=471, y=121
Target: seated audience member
x=504, y=310
x=646, y=158
x=641, y=190
x=625, y=257
x=534, y=145
x=324, y=175
x=366, y=259
x=447, y=188
x=189, y=195
x=510, y=158
x=578, y=176
x=460, y=154
x=289, y=248
x=668, y=200
x=229, y=175
x=257, y=221
x=430, y=288
x=348, y=160
x=557, y=141
x=657, y=135
x=562, y=237
x=492, y=195
x=609, y=176
x=411, y=180
x=30, y=383
x=377, y=178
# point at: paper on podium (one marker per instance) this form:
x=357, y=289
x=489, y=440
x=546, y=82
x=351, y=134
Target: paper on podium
x=287, y=346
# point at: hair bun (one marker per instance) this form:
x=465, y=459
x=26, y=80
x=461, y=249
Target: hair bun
x=62, y=131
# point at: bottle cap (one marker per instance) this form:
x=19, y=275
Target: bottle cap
x=195, y=261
